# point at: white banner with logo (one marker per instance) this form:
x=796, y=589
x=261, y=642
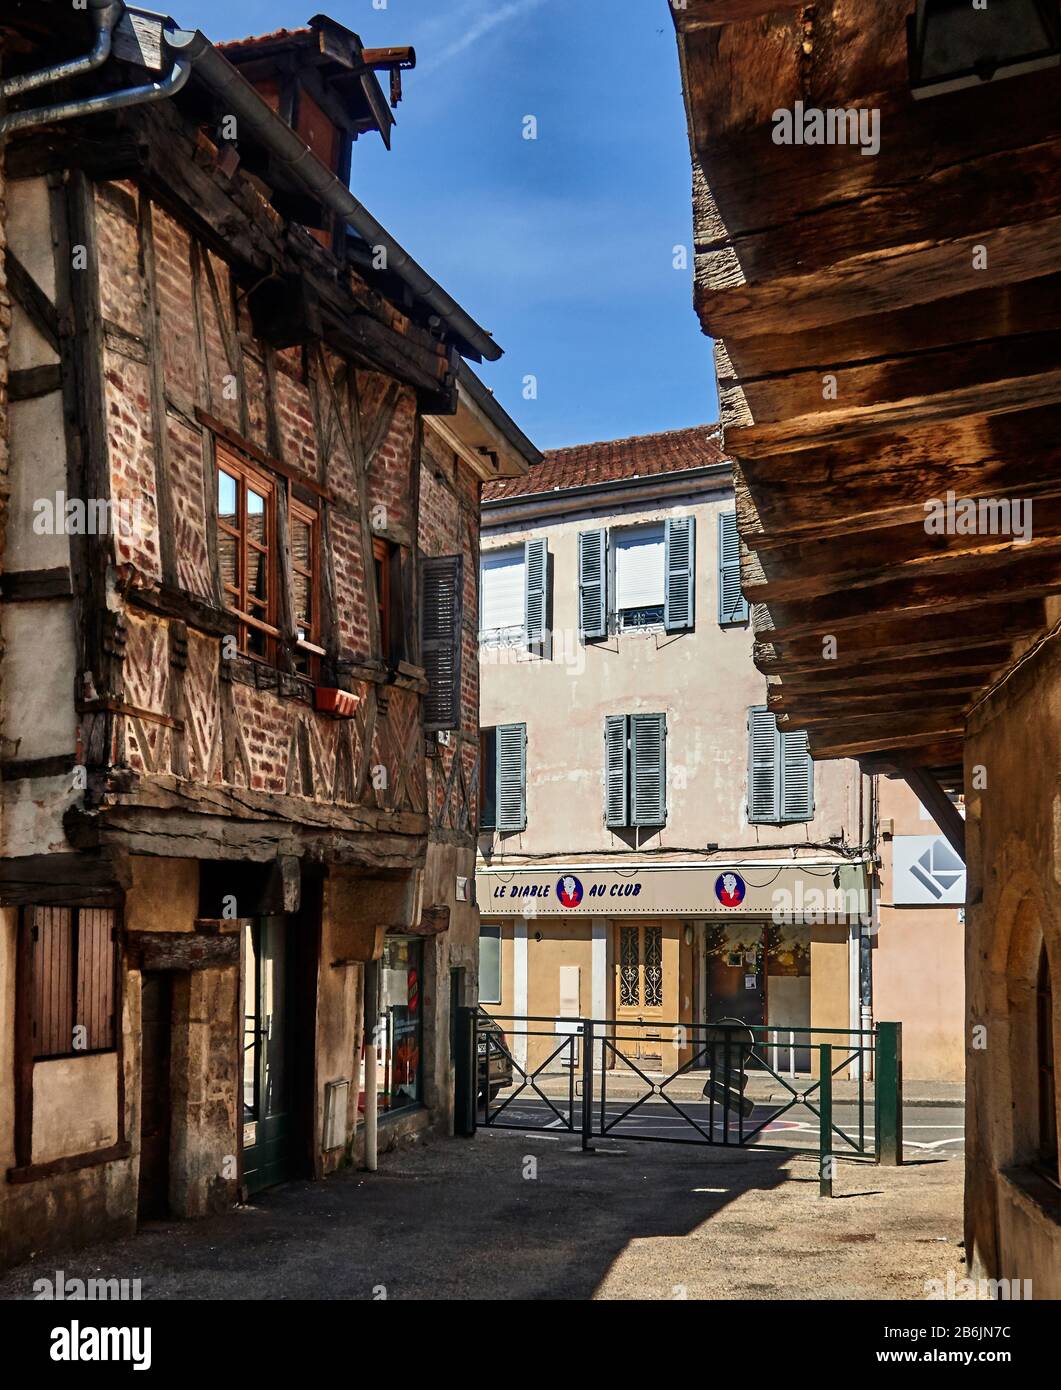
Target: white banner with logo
x=710, y=890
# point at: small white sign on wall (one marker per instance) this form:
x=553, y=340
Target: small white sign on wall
x=926, y=872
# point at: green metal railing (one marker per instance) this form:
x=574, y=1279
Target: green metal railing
x=728, y=1053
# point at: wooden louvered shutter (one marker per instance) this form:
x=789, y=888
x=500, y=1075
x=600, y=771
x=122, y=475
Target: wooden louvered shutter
x=511, y=777
x=441, y=607
x=593, y=583
x=797, y=777
x=732, y=607
x=615, y=797
x=680, y=571
x=648, y=769
x=536, y=572
x=764, y=772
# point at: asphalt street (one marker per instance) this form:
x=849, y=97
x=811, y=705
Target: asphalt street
x=928, y=1131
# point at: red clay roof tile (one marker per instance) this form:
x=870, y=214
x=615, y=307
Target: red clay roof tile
x=612, y=460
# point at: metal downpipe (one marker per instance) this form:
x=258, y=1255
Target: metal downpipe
x=168, y=86
x=105, y=16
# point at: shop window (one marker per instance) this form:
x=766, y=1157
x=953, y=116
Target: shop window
x=489, y=964
x=1047, y=1082
x=73, y=992
x=400, y=1020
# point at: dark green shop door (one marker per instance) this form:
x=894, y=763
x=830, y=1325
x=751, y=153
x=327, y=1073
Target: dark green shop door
x=268, y=1124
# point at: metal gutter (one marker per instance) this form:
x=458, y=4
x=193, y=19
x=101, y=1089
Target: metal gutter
x=110, y=101
x=303, y=165
x=105, y=16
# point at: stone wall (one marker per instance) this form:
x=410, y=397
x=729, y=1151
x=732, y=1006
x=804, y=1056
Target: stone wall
x=1013, y=828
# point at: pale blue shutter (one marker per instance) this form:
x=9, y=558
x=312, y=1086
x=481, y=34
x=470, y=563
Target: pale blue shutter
x=512, y=777
x=441, y=610
x=764, y=771
x=648, y=769
x=615, y=771
x=593, y=583
x=536, y=570
x=797, y=777
x=680, y=571
x=732, y=607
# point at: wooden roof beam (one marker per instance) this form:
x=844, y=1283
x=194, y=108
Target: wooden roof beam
x=884, y=637
x=873, y=281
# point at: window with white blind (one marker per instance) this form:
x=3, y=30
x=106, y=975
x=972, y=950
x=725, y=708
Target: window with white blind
x=639, y=576
x=502, y=601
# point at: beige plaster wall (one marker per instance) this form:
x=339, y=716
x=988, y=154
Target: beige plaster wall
x=704, y=680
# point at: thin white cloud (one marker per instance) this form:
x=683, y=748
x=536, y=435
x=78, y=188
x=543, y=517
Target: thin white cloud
x=482, y=25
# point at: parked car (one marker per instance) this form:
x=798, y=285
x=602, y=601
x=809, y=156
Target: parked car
x=495, y=1061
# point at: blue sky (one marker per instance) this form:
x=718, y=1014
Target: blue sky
x=561, y=246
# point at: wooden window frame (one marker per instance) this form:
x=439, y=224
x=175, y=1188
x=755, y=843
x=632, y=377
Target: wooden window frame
x=382, y=552
x=310, y=645
x=230, y=463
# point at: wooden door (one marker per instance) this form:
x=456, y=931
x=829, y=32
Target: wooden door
x=156, y=1031
x=641, y=990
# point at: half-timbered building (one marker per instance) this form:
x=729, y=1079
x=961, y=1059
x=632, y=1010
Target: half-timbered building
x=241, y=461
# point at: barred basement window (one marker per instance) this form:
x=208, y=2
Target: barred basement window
x=73, y=995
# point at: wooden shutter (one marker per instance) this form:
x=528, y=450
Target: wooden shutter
x=648, y=769
x=593, y=584
x=680, y=571
x=512, y=777
x=732, y=607
x=54, y=973
x=615, y=797
x=536, y=572
x=797, y=777
x=73, y=980
x=764, y=772
x=441, y=605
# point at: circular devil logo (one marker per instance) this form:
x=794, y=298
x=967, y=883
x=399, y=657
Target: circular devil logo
x=730, y=889
x=569, y=890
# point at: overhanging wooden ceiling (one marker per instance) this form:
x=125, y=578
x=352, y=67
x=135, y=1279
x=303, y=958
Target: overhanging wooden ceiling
x=818, y=261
